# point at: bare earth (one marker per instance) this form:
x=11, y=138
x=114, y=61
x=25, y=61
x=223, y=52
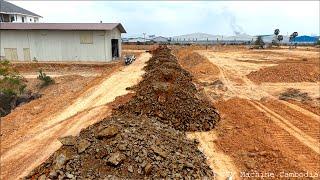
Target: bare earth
x=31, y=144
x=258, y=132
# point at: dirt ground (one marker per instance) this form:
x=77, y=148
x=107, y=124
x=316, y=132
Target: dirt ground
x=68, y=106
x=260, y=135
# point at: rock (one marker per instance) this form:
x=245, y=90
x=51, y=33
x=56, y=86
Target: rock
x=263, y=153
x=60, y=161
x=70, y=176
x=68, y=140
x=159, y=151
x=108, y=132
x=116, y=158
x=53, y=174
x=42, y=177
x=188, y=165
x=251, y=154
x=122, y=147
x=249, y=164
x=130, y=168
x=83, y=145
x=148, y=169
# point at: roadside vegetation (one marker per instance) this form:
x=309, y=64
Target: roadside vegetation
x=45, y=79
x=11, y=83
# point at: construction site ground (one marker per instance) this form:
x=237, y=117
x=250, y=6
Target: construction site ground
x=258, y=134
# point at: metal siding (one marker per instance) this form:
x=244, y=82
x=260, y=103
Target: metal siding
x=46, y=45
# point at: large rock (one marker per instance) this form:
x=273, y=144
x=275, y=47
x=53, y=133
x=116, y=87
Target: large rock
x=159, y=151
x=108, y=132
x=116, y=158
x=68, y=140
x=83, y=145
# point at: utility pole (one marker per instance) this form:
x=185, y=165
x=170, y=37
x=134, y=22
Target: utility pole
x=144, y=37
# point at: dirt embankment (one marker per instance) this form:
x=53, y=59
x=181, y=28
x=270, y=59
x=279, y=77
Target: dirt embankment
x=24, y=67
x=135, y=142
x=256, y=144
x=54, y=98
x=293, y=72
x=200, y=67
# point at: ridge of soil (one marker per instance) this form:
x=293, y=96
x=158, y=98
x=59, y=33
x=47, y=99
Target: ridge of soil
x=287, y=72
x=168, y=94
x=135, y=142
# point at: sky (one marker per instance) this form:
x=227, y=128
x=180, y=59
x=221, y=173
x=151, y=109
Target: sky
x=184, y=17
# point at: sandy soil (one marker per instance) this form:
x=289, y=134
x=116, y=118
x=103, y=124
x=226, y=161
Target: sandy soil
x=20, y=153
x=258, y=132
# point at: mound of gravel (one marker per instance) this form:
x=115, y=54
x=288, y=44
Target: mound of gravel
x=140, y=140
x=126, y=147
x=168, y=94
x=294, y=94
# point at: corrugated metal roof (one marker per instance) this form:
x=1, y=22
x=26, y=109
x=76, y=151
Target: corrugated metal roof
x=62, y=26
x=9, y=8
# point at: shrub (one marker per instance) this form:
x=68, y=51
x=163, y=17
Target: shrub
x=46, y=80
x=11, y=83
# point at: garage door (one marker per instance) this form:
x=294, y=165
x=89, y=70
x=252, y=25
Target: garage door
x=11, y=53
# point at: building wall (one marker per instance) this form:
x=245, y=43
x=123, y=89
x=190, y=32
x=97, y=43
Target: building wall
x=49, y=45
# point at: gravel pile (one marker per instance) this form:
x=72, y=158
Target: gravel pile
x=294, y=94
x=126, y=147
x=168, y=94
x=140, y=140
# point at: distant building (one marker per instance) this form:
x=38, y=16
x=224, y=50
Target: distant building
x=160, y=39
x=137, y=40
x=306, y=39
x=60, y=41
x=12, y=13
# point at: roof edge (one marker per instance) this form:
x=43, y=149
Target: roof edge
x=121, y=28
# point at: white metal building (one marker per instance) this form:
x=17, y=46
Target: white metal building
x=60, y=41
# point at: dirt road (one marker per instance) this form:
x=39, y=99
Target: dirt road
x=35, y=145
x=295, y=128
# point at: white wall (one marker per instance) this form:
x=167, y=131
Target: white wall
x=49, y=45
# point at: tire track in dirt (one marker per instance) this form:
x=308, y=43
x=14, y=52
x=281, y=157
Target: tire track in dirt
x=252, y=92
x=291, y=134
x=290, y=128
x=35, y=147
x=302, y=110
x=301, y=121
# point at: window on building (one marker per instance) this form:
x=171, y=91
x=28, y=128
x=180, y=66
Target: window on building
x=22, y=18
x=86, y=37
x=12, y=18
x=30, y=20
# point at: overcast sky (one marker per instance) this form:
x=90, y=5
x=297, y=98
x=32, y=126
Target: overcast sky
x=177, y=18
